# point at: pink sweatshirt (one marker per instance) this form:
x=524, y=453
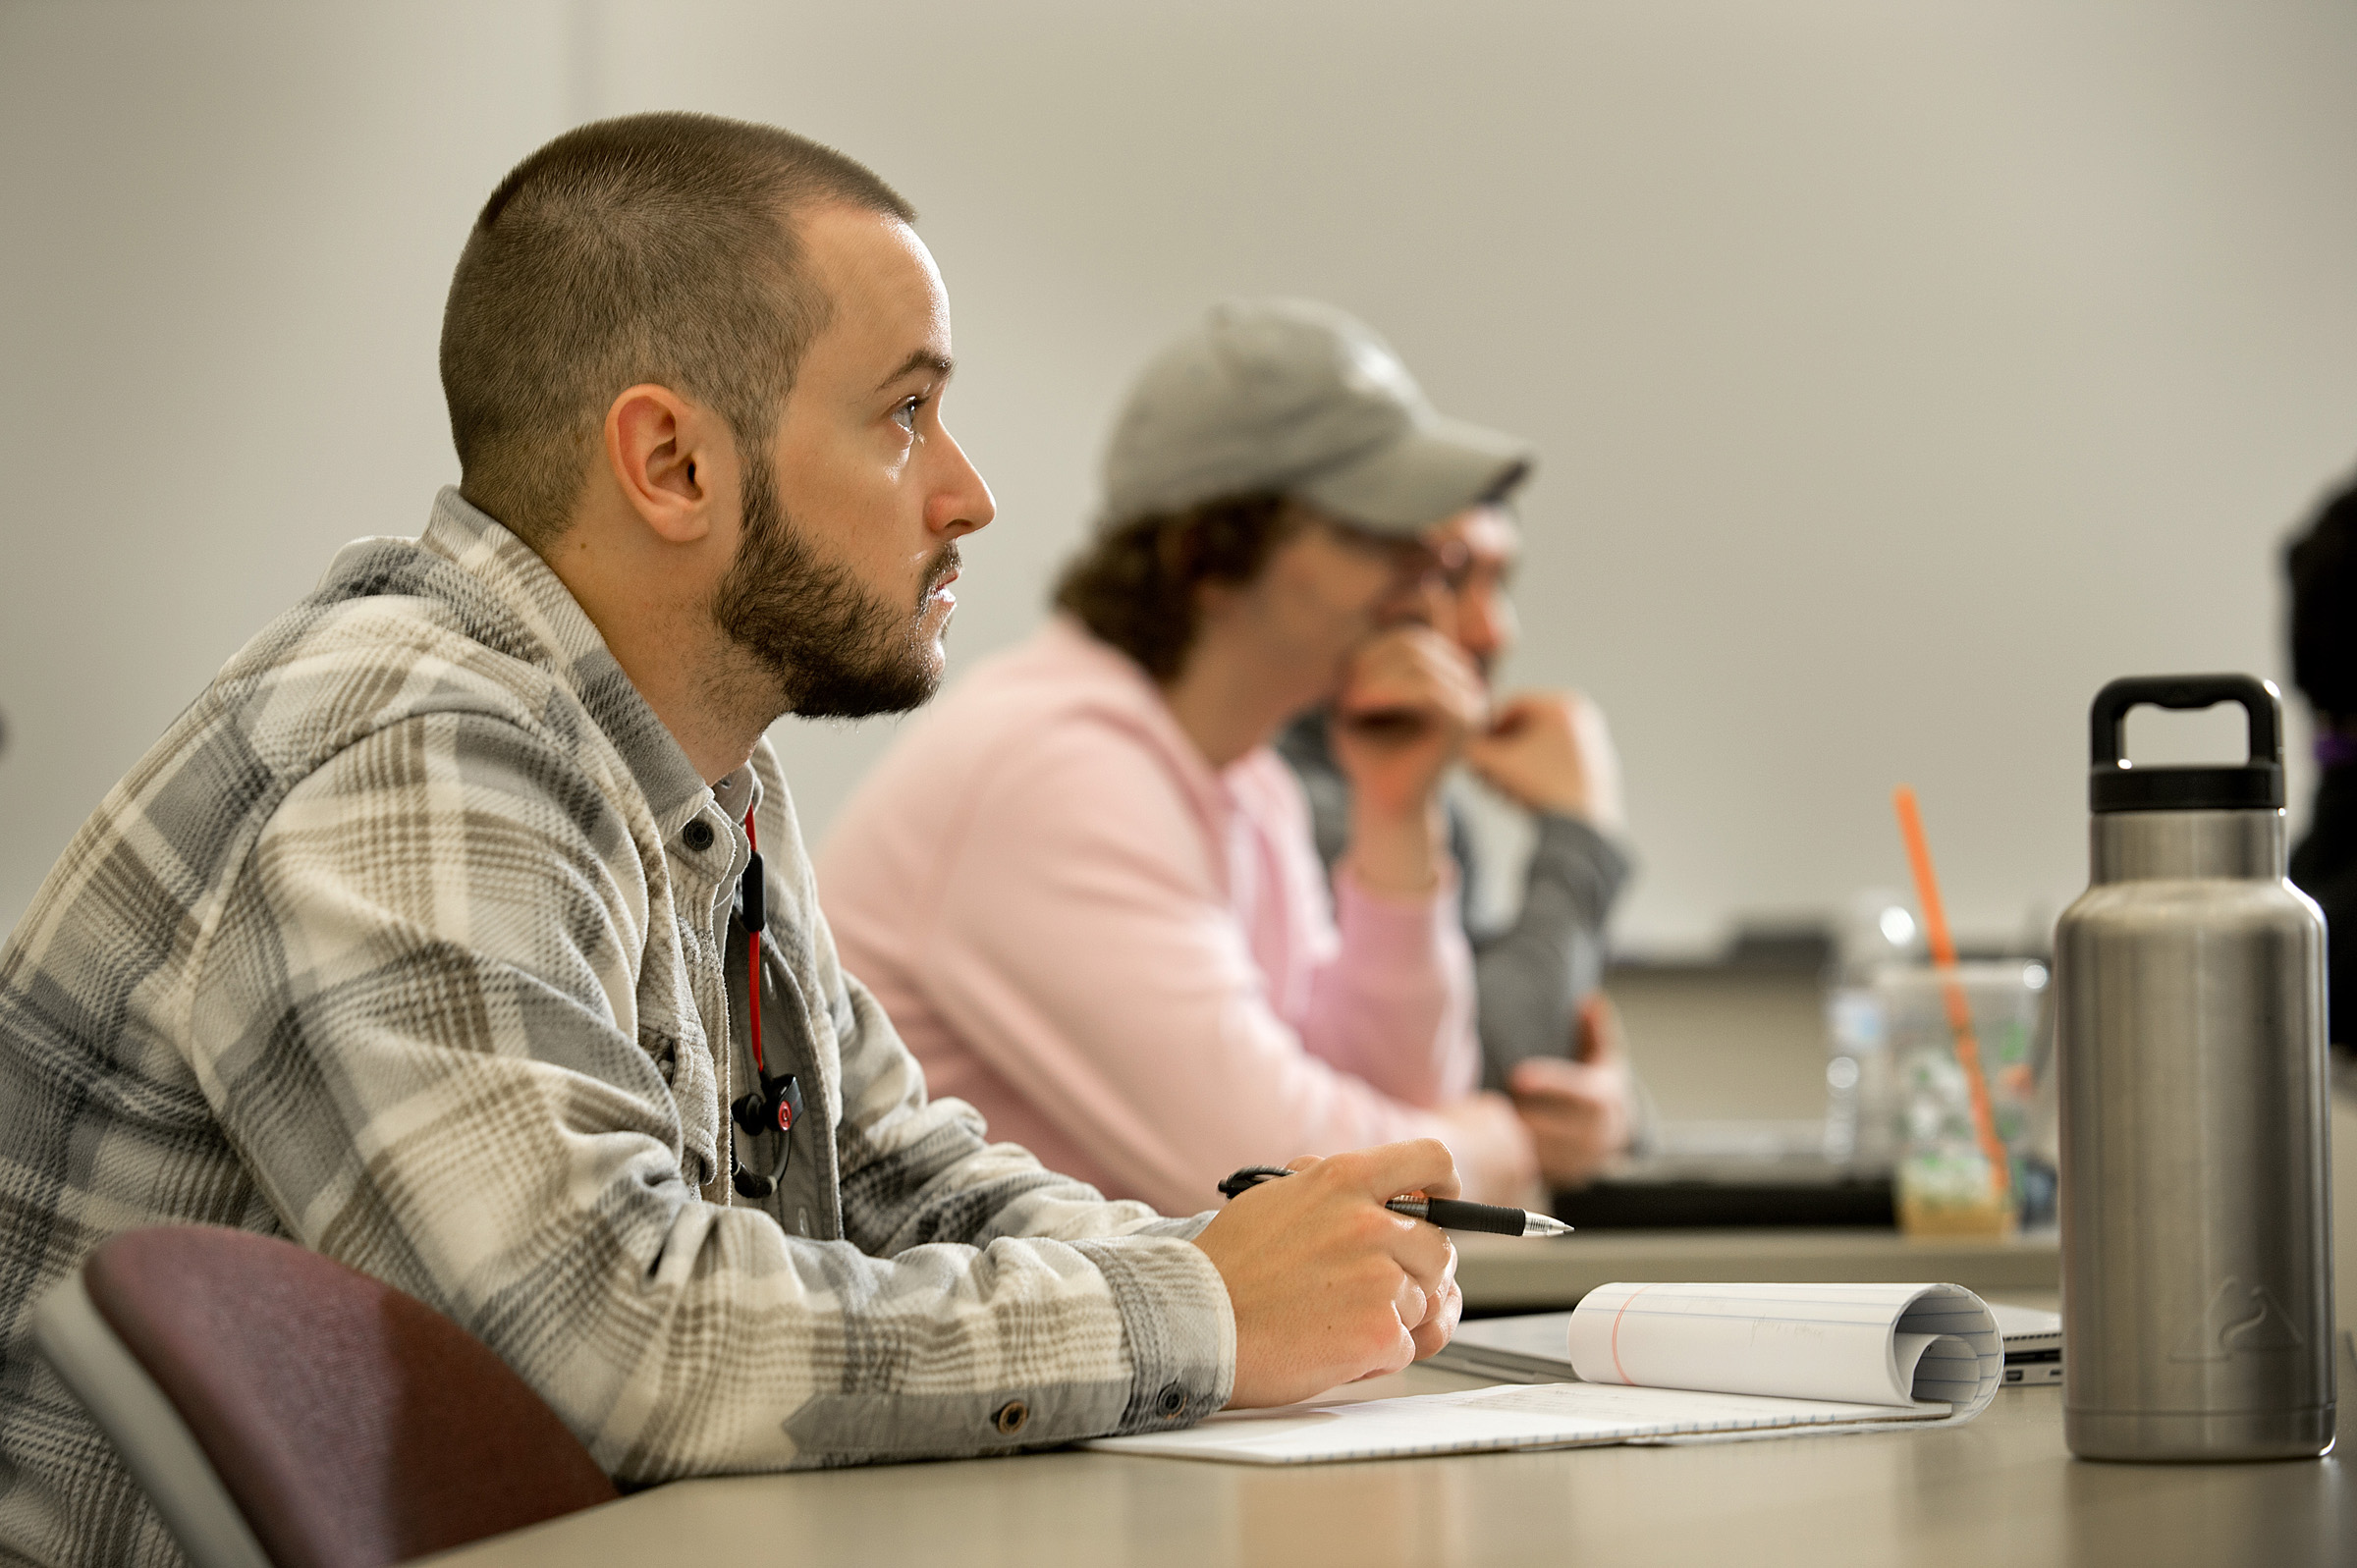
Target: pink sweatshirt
x=1124, y=959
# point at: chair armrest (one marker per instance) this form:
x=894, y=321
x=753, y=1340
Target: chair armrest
x=155, y=1443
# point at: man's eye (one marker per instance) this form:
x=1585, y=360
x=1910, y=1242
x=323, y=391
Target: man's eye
x=903, y=413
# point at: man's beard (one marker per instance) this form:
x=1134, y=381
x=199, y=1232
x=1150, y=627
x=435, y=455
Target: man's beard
x=836, y=650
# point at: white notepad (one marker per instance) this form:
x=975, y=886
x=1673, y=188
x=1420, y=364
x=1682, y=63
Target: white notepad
x=1666, y=1363
x=1535, y=1346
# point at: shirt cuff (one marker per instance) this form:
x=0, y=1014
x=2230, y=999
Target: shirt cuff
x=1180, y=1324
x=1187, y=1228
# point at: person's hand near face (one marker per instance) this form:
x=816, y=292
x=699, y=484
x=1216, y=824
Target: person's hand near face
x=1551, y=751
x=1543, y=750
x=1408, y=700
x=1341, y=614
x=1546, y=751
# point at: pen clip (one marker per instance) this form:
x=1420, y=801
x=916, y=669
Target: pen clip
x=1249, y=1177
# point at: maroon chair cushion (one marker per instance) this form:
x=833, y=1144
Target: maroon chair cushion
x=352, y=1425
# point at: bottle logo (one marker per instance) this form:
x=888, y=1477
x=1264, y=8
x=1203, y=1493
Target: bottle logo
x=2242, y=1320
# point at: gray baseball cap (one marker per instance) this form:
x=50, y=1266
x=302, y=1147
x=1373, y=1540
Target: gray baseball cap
x=1304, y=400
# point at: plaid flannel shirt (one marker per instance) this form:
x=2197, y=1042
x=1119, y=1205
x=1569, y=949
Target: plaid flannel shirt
x=413, y=939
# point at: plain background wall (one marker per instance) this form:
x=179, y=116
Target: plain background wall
x=1903, y=371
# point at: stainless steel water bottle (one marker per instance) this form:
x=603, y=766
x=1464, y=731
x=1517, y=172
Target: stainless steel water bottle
x=2197, y=1270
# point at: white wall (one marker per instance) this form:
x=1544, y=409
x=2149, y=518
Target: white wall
x=1903, y=371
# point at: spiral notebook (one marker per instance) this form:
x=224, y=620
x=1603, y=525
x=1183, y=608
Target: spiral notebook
x=1665, y=1363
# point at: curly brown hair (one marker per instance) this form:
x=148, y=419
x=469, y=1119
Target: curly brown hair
x=1134, y=584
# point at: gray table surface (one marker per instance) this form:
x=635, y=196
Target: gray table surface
x=2001, y=1491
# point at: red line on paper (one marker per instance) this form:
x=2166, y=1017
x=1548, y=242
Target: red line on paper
x=1616, y=1341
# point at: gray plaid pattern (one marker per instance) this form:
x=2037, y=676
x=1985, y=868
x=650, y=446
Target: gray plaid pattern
x=404, y=942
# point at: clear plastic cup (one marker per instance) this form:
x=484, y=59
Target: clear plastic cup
x=1945, y=1184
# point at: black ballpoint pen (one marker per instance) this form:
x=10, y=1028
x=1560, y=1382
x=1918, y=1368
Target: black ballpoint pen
x=1450, y=1214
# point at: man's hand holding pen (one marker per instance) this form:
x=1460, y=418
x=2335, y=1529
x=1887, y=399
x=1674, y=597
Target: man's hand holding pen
x=1326, y=1285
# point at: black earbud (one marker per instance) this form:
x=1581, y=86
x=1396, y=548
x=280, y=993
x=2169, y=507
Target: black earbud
x=748, y=1184
x=774, y=1107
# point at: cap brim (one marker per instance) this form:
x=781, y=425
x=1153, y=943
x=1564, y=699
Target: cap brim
x=1437, y=469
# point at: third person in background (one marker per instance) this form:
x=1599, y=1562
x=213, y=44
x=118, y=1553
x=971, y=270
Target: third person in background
x=1548, y=1034
x=2322, y=563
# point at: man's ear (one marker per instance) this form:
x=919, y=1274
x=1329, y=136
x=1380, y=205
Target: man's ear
x=668, y=456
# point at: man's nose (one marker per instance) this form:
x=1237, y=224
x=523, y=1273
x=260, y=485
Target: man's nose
x=961, y=502
x=1436, y=605
x=1477, y=630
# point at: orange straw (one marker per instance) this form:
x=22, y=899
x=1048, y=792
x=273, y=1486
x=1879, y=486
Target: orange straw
x=1943, y=956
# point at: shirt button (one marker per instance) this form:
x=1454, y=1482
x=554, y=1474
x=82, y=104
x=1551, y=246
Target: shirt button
x=1171, y=1401
x=1012, y=1417
x=697, y=834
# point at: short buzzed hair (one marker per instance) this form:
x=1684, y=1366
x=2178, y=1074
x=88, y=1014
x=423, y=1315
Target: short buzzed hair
x=656, y=248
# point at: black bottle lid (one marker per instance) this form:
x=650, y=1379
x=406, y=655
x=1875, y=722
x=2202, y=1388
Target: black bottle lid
x=2256, y=784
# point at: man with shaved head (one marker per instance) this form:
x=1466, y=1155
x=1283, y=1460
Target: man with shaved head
x=460, y=928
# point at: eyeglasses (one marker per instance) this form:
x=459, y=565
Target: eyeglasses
x=1417, y=562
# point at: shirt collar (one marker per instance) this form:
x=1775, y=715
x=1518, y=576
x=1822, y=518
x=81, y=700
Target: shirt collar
x=738, y=793
x=567, y=642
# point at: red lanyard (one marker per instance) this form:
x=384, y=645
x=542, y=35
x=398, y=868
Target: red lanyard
x=777, y=1101
x=773, y=1105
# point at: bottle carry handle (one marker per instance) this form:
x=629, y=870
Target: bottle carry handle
x=2261, y=704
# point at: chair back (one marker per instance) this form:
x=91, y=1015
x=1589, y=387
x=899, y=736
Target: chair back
x=347, y=1425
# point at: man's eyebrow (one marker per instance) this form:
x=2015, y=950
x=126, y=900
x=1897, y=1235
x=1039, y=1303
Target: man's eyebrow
x=922, y=360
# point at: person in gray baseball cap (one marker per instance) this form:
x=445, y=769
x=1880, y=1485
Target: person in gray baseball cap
x=1085, y=887
x=1299, y=397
